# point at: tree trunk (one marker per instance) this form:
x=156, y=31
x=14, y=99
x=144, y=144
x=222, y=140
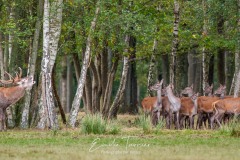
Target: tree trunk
x=133, y=78
x=69, y=90
x=1, y=58
x=165, y=69
x=81, y=82
x=151, y=69
x=108, y=90
x=51, y=34
x=204, y=52
x=211, y=70
x=120, y=93
x=175, y=42
x=237, y=55
x=57, y=99
x=32, y=66
x=63, y=83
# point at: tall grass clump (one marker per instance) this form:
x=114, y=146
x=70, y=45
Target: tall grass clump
x=94, y=124
x=232, y=128
x=145, y=123
x=160, y=126
x=113, y=127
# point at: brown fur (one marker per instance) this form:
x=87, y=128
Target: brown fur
x=225, y=106
x=11, y=95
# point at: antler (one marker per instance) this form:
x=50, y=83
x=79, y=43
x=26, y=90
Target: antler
x=18, y=75
x=10, y=81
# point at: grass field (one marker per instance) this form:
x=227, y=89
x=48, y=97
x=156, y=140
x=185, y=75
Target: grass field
x=130, y=143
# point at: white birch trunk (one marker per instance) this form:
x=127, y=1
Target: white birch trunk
x=151, y=68
x=174, y=42
x=10, y=40
x=31, y=67
x=51, y=32
x=120, y=93
x=82, y=79
x=1, y=58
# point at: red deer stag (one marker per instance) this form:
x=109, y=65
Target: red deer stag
x=10, y=95
x=175, y=104
x=225, y=106
x=157, y=106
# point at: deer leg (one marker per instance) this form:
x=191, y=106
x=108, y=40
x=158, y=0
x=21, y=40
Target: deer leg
x=209, y=119
x=1, y=119
x=199, y=120
x=181, y=121
x=212, y=120
x=4, y=120
x=191, y=122
x=177, y=120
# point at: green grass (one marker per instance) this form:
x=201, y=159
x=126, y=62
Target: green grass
x=128, y=143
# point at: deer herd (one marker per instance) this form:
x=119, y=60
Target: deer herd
x=212, y=109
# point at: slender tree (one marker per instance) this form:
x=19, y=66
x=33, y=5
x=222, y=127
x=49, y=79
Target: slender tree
x=175, y=42
x=120, y=93
x=82, y=79
x=32, y=65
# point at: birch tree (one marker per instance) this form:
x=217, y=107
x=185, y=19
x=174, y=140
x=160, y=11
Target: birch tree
x=82, y=79
x=175, y=42
x=151, y=69
x=120, y=93
x=32, y=66
x=52, y=19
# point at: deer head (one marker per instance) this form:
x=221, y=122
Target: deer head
x=208, y=90
x=187, y=91
x=220, y=91
x=26, y=82
x=157, y=86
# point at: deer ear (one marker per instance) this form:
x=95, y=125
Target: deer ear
x=191, y=86
x=161, y=82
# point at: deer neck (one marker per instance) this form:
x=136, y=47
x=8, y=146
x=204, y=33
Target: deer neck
x=159, y=96
x=14, y=94
x=172, y=98
x=195, y=106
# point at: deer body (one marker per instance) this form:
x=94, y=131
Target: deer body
x=148, y=103
x=188, y=108
x=228, y=106
x=11, y=95
x=175, y=104
x=157, y=106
